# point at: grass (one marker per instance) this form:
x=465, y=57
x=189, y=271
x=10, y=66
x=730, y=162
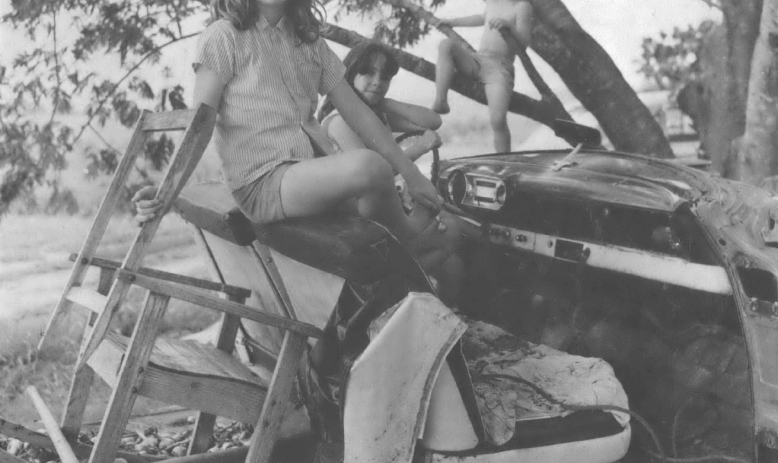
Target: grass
x=34, y=251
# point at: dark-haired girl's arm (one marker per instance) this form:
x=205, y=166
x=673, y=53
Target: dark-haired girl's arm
x=406, y=117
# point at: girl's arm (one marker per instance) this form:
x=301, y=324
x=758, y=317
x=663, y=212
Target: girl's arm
x=466, y=21
x=406, y=117
x=208, y=89
x=348, y=140
x=369, y=128
x=524, y=23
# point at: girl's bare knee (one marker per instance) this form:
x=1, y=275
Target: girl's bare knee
x=498, y=120
x=445, y=46
x=369, y=170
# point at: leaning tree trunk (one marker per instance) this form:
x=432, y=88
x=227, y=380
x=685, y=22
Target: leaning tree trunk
x=593, y=78
x=758, y=154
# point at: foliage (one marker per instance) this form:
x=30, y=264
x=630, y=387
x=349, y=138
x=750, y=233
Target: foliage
x=671, y=60
x=395, y=25
x=59, y=78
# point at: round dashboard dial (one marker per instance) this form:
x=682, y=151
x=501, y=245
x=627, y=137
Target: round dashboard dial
x=456, y=187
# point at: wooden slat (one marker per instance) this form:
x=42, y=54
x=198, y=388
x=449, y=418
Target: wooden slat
x=235, y=455
x=81, y=382
x=203, y=428
x=236, y=396
x=99, y=225
x=126, y=390
x=243, y=311
x=190, y=150
x=269, y=424
x=275, y=280
x=87, y=298
x=52, y=428
x=174, y=277
x=169, y=120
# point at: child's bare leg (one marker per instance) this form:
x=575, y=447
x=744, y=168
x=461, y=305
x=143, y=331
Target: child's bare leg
x=498, y=95
x=451, y=58
x=318, y=185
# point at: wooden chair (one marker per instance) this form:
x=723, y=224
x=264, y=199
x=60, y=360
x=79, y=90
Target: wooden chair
x=183, y=373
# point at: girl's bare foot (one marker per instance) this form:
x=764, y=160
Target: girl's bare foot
x=441, y=107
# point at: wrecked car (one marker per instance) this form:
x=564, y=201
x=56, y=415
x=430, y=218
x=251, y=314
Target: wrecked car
x=664, y=272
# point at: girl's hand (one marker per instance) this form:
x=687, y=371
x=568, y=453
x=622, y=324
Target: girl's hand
x=498, y=23
x=145, y=204
x=428, y=141
x=422, y=191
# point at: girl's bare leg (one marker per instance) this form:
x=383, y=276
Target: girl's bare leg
x=318, y=185
x=498, y=96
x=451, y=58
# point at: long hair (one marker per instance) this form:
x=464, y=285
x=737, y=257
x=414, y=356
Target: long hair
x=306, y=16
x=360, y=60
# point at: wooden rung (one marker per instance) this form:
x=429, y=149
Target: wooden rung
x=87, y=298
x=170, y=120
x=203, y=300
x=229, y=290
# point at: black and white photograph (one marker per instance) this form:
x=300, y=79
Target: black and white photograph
x=388, y=231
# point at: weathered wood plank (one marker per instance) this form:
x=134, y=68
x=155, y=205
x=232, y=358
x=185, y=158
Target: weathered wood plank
x=50, y=423
x=189, y=152
x=203, y=428
x=237, y=455
x=214, y=303
x=87, y=298
x=168, y=121
x=238, y=396
x=269, y=424
x=81, y=383
x=98, y=226
x=174, y=277
x=126, y=390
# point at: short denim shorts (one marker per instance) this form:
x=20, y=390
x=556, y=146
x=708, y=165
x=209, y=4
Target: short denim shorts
x=261, y=199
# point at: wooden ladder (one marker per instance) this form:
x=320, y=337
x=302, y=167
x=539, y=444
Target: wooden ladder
x=197, y=125
x=183, y=373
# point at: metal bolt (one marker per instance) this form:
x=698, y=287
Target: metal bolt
x=521, y=238
x=84, y=261
x=550, y=243
x=134, y=389
x=269, y=260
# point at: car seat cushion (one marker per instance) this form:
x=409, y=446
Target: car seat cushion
x=516, y=381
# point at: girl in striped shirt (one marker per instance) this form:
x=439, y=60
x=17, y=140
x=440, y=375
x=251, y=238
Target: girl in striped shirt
x=263, y=64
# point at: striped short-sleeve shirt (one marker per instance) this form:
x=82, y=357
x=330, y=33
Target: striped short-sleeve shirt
x=272, y=83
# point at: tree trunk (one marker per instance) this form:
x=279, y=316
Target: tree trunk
x=758, y=154
x=741, y=22
x=594, y=79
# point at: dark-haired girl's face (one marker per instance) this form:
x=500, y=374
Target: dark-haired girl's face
x=372, y=81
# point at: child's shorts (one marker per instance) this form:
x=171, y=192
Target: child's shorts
x=494, y=70
x=261, y=199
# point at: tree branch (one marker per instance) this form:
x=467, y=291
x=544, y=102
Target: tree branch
x=103, y=100
x=548, y=96
x=58, y=89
